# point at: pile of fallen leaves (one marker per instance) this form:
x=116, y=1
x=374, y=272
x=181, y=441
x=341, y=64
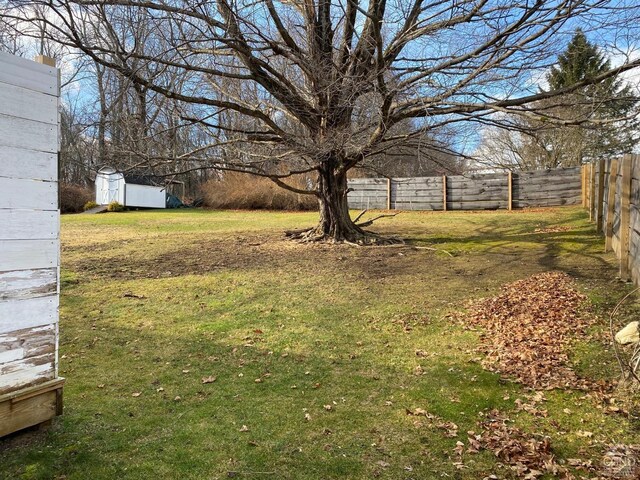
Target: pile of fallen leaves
x=529, y=456
x=528, y=328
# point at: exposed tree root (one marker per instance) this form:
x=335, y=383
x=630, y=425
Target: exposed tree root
x=370, y=221
x=356, y=237
x=349, y=232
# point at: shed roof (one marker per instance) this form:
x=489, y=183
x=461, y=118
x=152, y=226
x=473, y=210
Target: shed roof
x=137, y=179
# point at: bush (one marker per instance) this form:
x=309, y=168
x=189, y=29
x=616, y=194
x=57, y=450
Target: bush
x=89, y=205
x=248, y=192
x=73, y=197
x=115, y=207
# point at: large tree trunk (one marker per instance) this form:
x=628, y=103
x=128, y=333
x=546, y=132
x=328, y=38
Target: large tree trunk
x=335, y=224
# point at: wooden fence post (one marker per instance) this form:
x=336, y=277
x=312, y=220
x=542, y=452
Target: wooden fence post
x=388, y=193
x=510, y=187
x=587, y=186
x=583, y=187
x=444, y=193
x=600, y=199
x=625, y=217
x=611, y=204
x=592, y=192
x=50, y=62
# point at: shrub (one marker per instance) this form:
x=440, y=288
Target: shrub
x=115, y=207
x=89, y=205
x=244, y=191
x=73, y=197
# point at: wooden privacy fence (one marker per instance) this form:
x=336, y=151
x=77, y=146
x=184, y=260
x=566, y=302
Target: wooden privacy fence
x=611, y=194
x=483, y=191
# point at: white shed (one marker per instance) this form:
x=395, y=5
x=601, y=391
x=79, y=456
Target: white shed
x=129, y=190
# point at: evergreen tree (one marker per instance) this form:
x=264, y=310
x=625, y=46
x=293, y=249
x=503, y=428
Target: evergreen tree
x=582, y=60
x=608, y=109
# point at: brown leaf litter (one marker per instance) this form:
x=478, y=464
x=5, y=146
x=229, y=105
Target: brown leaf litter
x=528, y=329
x=450, y=429
x=558, y=229
x=528, y=456
x=621, y=462
x=531, y=456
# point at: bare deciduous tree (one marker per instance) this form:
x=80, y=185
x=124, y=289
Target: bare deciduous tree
x=319, y=86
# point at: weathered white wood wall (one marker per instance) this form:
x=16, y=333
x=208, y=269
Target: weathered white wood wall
x=29, y=223
x=485, y=191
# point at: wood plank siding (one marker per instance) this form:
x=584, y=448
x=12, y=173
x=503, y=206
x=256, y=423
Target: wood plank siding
x=29, y=240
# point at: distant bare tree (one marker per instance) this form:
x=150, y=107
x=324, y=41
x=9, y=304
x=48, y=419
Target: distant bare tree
x=9, y=35
x=292, y=87
x=600, y=120
x=530, y=144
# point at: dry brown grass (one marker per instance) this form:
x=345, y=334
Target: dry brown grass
x=247, y=192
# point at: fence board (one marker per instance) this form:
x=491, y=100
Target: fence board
x=27, y=104
x=28, y=74
x=418, y=205
x=455, y=184
x=592, y=191
x=368, y=181
x=28, y=194
x=429, y=185
x=28, y=313
x=464, y=196
x=28, y=254
x=569, y=184
x=548, y=202
x=28, y=224
x=609, y=200
x=481, y=191
x=477, y=205
x=625, y=217
x=33, y=165
x=552, y=194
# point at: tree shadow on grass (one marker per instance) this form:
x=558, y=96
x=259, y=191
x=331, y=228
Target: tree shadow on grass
x=577, y=251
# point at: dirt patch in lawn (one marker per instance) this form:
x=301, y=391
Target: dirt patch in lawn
x=255, y=252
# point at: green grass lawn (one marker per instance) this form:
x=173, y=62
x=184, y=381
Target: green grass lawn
x=153, y=302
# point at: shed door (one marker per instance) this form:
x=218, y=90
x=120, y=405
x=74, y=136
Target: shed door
x=113, y=188
x=104, y=191
x=108, y=189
